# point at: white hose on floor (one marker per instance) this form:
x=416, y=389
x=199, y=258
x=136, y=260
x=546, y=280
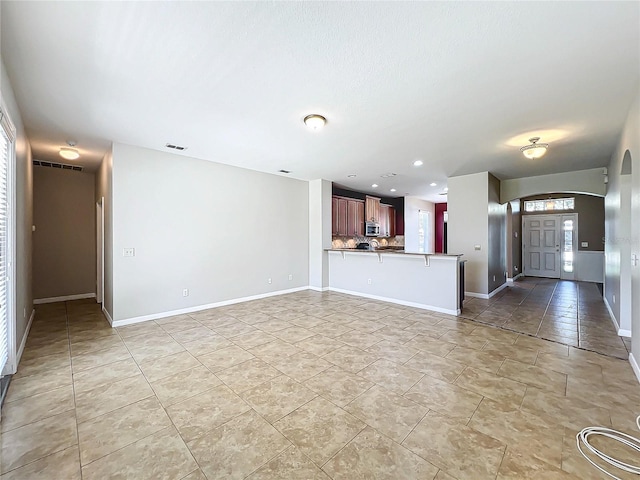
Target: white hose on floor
x=583, y=438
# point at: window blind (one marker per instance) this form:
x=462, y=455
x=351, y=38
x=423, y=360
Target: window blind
x=5, y=151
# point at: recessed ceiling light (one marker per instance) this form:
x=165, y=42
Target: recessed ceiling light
x=315, y=121
x=446, y=189
x=352, y=175
x=375, y=185
x=417, y=163
x=392, y=190
x=433, y=184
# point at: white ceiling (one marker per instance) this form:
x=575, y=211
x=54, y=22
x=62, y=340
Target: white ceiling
x=450, y=83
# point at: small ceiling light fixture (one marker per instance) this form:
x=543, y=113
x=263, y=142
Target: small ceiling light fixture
x=392, y=190
x=433, y=184
x=375, y=185
x=418, y=163
x=69, y=153
x=315, y=121
x=535, y=150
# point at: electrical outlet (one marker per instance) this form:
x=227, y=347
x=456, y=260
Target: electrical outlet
x=185, y=292
x=128, y=252
x=368, y=281
x=290, y=277
x=268, y=280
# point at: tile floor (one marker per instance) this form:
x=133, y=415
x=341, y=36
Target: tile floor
x=304, y=386
x=572, y=313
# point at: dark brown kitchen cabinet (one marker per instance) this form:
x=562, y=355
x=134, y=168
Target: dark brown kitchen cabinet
x=347, y=217
x=387, y=221
x=372, y=207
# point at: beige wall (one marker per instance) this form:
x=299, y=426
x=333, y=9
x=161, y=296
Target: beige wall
x=219, y=231
x=64, y=245
x=103, y=191
x=622, y=237
x=496, y=243
x=24, y=214
x=467, y=226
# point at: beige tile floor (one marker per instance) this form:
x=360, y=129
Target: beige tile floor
x=303, y=386
x=572, y=313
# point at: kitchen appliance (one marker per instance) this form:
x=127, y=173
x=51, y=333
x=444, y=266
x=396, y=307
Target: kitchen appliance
x=363, y=246
x=371, y=229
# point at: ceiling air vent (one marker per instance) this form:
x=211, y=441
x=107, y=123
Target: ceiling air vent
x=284, y=171
x=62, y=166
x=175, y=147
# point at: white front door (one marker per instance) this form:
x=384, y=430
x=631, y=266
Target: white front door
x=541, y=245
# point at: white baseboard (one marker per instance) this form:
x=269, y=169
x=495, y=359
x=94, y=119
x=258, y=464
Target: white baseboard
x=614, y=320
x=182, y=311
x=634, y=366
x=499, y=289
x=486, y=296
x=106, y=314
x=24, y=338
x=399, y=302
x=319, y=289
x=476, y=295
x=66, y=298
x=510, y=281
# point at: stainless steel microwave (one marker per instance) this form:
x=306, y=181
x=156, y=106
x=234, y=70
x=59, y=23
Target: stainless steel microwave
x=371, y=229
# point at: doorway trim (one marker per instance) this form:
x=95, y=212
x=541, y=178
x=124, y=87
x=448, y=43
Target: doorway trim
x=100, y=251
x=559, y=243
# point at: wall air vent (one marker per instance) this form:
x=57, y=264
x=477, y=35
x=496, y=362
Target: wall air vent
x=62, y=166
x=175, y=147
x=284, y=171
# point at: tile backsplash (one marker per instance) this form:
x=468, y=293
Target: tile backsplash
x=351, y=242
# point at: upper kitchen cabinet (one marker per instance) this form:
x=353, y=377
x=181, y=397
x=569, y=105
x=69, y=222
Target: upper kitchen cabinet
x=347, y=216
x=372, y=207
x=387, y=221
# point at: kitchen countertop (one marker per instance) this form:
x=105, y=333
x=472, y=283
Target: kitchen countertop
x=391, y=251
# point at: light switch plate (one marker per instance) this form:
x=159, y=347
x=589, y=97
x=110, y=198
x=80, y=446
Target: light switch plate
x=477, y=247
x=128, y=252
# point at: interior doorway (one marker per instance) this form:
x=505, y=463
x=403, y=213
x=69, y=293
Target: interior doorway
x=549, y=245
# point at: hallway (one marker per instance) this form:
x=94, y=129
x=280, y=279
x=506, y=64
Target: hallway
x=572, y=313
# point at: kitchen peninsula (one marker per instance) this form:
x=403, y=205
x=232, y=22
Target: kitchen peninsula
x=429, y=281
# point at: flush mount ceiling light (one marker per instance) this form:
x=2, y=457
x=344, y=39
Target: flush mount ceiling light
x=69, y=153
x=535, y=150
x=433, y=184
x=315, y=121
x=417, y=163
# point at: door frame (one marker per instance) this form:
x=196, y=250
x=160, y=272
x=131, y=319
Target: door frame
x=100, y=251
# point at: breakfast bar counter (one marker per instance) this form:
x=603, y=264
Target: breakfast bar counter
x=429, y=281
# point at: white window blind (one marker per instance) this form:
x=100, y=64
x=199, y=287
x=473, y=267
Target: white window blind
x=5, y=152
